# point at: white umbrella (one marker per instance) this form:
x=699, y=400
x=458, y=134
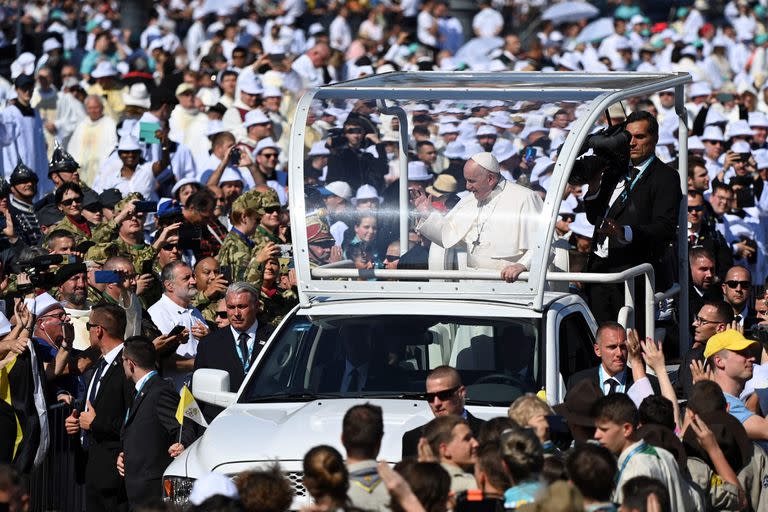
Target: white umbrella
x=598, y=29
x=478, y=50
x=569, y=11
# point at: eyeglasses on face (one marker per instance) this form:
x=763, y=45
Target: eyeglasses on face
x=272, y=209
x=391, y=257
x=698, y=208
x=89, y=325
x=567, y=217
x=357, y=131
x=443, y=395
x=221, y=314
x=704, y=321
x=733, y=284
x=71, y=201
x=269, y=155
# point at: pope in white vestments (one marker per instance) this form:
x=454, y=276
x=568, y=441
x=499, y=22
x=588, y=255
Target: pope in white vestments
x=497, y=223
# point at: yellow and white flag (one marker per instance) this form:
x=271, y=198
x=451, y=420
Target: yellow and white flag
x=188, y=408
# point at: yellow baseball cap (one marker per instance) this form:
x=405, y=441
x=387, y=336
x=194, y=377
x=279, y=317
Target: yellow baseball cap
x=730, y=339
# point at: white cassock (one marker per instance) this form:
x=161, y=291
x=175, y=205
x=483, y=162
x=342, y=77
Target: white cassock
x=188, y=128
x=496, y=234
x=27, y=142
x=69, y=113
x=90, y=145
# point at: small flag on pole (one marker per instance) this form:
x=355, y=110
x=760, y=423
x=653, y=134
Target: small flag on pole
x=188, y=408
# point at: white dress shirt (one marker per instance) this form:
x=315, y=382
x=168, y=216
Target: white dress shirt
x=109, y=358
x=251, y=332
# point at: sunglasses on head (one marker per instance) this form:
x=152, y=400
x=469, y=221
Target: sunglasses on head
x=699, y=208
x=733, y=284
x=69, y=202
x=443, y=395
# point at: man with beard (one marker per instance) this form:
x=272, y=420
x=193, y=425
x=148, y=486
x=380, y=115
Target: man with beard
x=72, y=292
x=703, y=281
x=23, y=190
x=27, y=140
x=175, y=309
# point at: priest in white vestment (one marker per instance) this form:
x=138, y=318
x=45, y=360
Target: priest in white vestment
x=93, y=140
x=27, y=141
x=497, y=222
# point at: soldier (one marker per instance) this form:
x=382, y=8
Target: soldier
x=275, y=302
x=237, y=246
x=69, y=201
x=61, y=169
x=269, y=209
x=126, y=230
x=211, y=286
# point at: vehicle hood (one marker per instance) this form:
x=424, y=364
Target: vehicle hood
x=286, y=431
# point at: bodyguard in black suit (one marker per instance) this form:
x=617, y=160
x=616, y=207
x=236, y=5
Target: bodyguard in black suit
x=737, y=291
x=639, y=214
x=234, y=348
x=150, y=434
x=612, y=375
x=109, y=394
x=445, y=395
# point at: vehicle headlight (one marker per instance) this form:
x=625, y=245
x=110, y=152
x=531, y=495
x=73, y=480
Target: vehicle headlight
x=176, y=489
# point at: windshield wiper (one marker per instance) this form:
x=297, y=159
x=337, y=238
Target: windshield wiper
x=297, y=396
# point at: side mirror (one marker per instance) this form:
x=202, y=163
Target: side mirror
x=212, y=387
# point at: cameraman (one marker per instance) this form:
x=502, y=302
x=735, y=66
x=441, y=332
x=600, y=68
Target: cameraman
x=635, y=213
x=349, y=162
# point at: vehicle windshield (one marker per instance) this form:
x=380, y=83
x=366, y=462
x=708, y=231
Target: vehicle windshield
x=498, y=359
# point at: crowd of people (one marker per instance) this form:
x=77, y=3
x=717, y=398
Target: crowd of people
x=145, y=234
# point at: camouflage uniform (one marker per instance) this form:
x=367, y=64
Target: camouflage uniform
x=275, y=305
x=269, y=199
x=100, y=233
x=236, y=249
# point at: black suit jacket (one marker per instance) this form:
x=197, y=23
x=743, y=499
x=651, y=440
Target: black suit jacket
x=111, y=402
x=218, y=351
x=593, y=374
x=411, y=438
x=651, y=211
x=150, y=429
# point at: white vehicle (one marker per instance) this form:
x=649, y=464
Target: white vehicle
x=505, y=339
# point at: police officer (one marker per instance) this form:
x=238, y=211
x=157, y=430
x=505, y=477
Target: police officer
x=23, y=189
x=61, y=169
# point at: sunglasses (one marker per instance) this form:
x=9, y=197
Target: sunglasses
x=354, y=131
x=89, y=325
x=443, y=395
x=269, y=155
x=391, y=257
x=568, y=217
x=272, y=209
x=170, y=247
x=70, y=202
x=733, y=284
x=699, y=208
x=221, y=314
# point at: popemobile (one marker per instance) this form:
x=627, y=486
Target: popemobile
x=504, y=338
